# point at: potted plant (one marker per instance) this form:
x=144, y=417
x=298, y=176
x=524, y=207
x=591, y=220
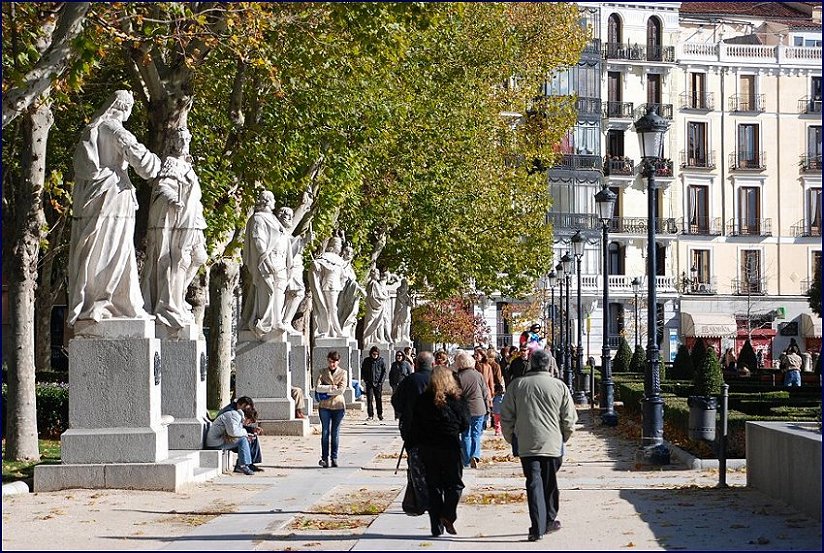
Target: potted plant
x=707, y=382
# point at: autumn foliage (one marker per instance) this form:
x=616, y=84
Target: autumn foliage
x=449, y=321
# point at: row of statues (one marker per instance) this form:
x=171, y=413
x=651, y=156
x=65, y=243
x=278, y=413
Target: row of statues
x=103, y=275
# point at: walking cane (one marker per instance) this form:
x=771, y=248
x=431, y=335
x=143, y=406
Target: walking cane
x=400, y=456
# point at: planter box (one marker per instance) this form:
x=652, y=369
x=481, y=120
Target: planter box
x=784, y=462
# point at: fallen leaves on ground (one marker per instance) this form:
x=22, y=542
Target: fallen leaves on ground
x=330, y=522
x=495, y=497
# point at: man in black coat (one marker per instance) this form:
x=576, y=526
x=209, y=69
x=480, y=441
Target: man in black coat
x=403, y=400
x=373, y=373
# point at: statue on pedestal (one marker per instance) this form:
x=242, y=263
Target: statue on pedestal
x=327, y=282
x=176, y=244
x=267, y=254
x=103, y=278
x=295, y=289
x=377, y=324
x=349, y=299
x=401, y=319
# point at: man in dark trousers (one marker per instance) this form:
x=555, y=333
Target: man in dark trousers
x=240, y=404
x=539, y=413
x=373, y=373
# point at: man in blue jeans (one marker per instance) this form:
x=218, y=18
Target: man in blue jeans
x=539, y=413
x=227, y=432
x=476, y=394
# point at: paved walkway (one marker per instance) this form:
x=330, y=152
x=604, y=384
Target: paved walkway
x=607, y=503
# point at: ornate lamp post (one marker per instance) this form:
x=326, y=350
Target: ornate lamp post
x=636, y=287
x=580, y=396
x=694, y=279
x=552, y=281
x=605, y=205
x=559, y=344
x=566, y=262
x=651, y=129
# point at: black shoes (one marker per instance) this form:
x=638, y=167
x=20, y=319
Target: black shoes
x=335, y=463
x=255, y=468
x=553, y=526
x=437, y=531
x=324, y=463
x=534, y=537
x=244, y=469
x=450, y=528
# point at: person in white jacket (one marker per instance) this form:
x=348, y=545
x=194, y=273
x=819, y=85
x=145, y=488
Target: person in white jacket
x=227, y=432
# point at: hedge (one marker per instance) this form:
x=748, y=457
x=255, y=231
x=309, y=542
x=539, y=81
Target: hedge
x=52, y=409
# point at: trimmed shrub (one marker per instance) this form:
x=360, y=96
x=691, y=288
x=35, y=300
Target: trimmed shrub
x=52, y=408
x=623, y=358
x=639, y=359
x=682, y=367
x=708, y=376
x=747, y=357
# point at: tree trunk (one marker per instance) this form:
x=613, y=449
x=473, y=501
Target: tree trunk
x=21, y=430
x=51, y=276
x=198, y=295
x=222, y=283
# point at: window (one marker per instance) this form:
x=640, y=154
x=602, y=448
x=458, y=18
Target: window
x=746, y=93
x=749, y=208
x=815, y=91
x=816, y=265
x=660, y=260
x=698, y=87
x=503, y=331
x=814, y=141
x=587, y=81
x=698, y=210
x=559, y=83
x=615, y=143
x=814, y=210
x=700, y=270
x=654, y=39
x=750, y=272
x=616, y=207
x=614, y=94
x=697, y=145
x=748, y=146
x=615, y=258
x=587, y=139
x=616, y=320
x=654, y=89
x=613, y=35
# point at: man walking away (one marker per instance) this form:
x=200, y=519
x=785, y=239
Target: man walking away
x=373, y=373
x=539, y=413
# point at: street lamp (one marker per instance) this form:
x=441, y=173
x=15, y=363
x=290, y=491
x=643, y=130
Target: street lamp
x=566, y=262
x=580, y=396
x=552, y=280
x=694, y=278
x=605, y=205
x=559, y=345
x=651, y=129
x=636, y=287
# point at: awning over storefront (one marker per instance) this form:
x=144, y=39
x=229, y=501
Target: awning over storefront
x=708, y=325
x=810, y=326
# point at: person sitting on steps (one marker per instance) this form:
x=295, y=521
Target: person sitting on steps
x=228, y=432
x=252, y=428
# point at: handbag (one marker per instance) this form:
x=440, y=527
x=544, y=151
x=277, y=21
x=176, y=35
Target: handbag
x=320, y=396
x=416, y=498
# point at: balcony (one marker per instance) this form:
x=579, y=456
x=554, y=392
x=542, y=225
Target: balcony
x=662, y=168
x=663, y=110
x=639, y=225
x=638, y=52
x=585, y=221
x=701, y=226
x=592, y=47
x=619, y=166
x=699, y=101
x=749, y=287
x=749, y=227
x=579, y=162
x=698, y=288
x=808, y=105
x=618, y=110
x=810, y=162
x=589, y=106
x=804, y=229
x=748, y=161
x=747, y=103
x=697, y=160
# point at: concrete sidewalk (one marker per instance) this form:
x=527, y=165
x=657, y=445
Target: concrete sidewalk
x=607, y=503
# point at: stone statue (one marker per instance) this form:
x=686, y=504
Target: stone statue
x=267, y=254
x=176, y=244
x=295, y=289
x=327, y=283
x=376, y=329
x=401, y=319
x=349, y=299
x=103, y=278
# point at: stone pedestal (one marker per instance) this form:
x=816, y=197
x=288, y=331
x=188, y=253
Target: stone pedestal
x=301, y=373
x=263, y=374
x=183, y=387
x=401, y=344
x=387, y=351
x=343, y=346
x=117, y=437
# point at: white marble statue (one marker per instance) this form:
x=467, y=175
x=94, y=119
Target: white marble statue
x=103, y=278
x=267, y=254
x=401, y=317
x=376, y=326
x=349, y=299
x=327, y=283
x=295, y=289
x=176, y=246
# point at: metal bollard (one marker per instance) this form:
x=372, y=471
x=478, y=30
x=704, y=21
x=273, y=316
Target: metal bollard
x=592, y=387
x=722, y=439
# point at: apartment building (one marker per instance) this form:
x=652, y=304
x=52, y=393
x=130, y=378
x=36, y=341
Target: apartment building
x=739, y=218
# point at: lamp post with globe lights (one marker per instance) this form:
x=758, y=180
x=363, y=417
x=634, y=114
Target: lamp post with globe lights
x=580, y=395
x=566, y=262
x=605, y=205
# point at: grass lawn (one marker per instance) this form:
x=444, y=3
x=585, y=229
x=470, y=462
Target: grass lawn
x=24, y=470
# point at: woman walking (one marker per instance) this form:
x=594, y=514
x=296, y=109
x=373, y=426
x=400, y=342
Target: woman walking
x=439, y=417
x=332, y=381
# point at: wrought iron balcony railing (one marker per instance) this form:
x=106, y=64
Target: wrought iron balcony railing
x=662, y=168
x=749, y=227
x=702, y=101
x=805, y=228
x=619, y=165
x=639, y=225
x=586, y=221
x=698, y=160
x=698, y=288
x=810, y=162
x=747, y=102
x=618, y=110
x=809, y=105
x=748, y=161
x=589, y=106
x=576, y=161
x=701, y=226
x=638, y=52
x=663, y=110
x=743, y=287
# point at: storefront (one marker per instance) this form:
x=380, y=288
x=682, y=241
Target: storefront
x=761, y=340
x=811, y=332
x=711, y=327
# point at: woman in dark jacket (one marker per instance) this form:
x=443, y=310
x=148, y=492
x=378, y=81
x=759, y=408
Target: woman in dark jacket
x=439, y=417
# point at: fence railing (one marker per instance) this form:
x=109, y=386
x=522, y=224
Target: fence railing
x=747, y=102
x=752, y=161
x=749, y=227
x=663, y=110
x=638, y=52
x=639, y=225
x=742, y=287
x=619, y=165
x=618, y=110
x=810, y=162
x=698, y=160
x=704, y=101
x=809, y=105
x=698, y=288
x=701, y=226
x=805, y=228
x=576, y=161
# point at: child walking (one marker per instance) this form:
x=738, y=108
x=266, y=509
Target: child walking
x=497, y=400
